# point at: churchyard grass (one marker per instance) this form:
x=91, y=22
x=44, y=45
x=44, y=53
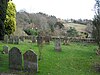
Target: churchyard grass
x=74, y=59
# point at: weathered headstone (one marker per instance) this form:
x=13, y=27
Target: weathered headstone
x=6, y=39
x=39, y=40
x=5, y=49
x=33, y=39
x=16, y=40
x=30, y=62
x=40, y=45
x=47, y=39
x=22, y=38
x=58, y=44
x=11, y=39
x=15, y=59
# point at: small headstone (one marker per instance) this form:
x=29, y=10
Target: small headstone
x=15, y=59
x=22, y=38
x=30, y=61
x=47, y=39
x=39, y=40
x=11, y=39
x=16, y=40
x=5, y=50
x=33, y=39
x=6, y=39
x=58, y=44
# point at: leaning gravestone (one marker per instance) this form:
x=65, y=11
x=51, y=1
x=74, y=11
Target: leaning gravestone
x=5, y=49
x=58, y=44
x=30, y=62
x=15, y=59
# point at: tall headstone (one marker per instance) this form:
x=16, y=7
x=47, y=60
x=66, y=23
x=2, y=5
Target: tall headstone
x=58, y=44
x=22, y=38
x=40, y=45
x=30, y=62
x=15, y=59
x=5, y=49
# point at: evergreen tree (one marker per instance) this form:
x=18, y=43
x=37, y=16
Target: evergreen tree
x=10, y=21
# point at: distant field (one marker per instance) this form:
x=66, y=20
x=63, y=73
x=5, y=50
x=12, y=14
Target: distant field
x=78, y=27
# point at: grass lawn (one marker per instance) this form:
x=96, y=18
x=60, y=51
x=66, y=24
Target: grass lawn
x=75, y=59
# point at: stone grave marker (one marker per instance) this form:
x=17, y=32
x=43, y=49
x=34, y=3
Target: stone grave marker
x=22, y=38
x=33, y=39
x=15, y=59
x=6, y=39
x=5, y=49
x=58, y=44
x=47, y=39
x=39, y=40
x=30, y=61
x=16, y=40
x=11, y=39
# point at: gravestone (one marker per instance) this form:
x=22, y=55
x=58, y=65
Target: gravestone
x=16, y=40
x=15, y=59
x=5, y=49
x=39, y=40
x=40, y=45
x=30, y=62
x=22, y=38
x=6, y=39
x=47, y=39
x=58, y=44
x=11, y=39
x=33, y=39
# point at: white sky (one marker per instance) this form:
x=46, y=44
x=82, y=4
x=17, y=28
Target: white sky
x=63, y=9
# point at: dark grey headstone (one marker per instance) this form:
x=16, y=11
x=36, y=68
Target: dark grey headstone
x=39, y=40
x=30, y=61
x=22, y=38
x=33, y=39
x=5, y=49
x=15, y=59
x=58, y=44
x=47, y=39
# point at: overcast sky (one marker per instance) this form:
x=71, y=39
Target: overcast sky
x=60, y=8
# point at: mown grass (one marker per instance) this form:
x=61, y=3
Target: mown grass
x=75, y=59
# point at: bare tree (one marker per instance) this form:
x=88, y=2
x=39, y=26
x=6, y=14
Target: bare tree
x=96, y=24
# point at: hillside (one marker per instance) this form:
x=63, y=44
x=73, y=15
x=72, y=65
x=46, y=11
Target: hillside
x=78, y=27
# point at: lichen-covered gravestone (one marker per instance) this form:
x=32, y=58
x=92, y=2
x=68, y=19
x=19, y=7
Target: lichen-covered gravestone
x=5, y=49
x=58, y=44
x=15, y=59
x=30, y=62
